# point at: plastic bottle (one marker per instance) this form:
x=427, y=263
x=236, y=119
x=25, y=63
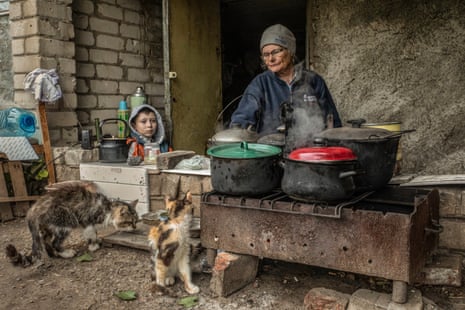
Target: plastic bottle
x=123, y=113
x=138, y=98
x=16, y=122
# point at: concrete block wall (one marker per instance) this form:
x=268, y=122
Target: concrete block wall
x=42, y=36
x=6, y=76
x=118, y=47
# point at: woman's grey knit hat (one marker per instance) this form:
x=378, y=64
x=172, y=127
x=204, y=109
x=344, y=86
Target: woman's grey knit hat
x=279, y=35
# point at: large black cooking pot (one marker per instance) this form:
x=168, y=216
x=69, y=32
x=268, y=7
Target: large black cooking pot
x=319, y=174
x=112, y=149
x=375, y=149
x=245, y=168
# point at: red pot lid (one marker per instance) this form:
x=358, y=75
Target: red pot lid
x=327, y=153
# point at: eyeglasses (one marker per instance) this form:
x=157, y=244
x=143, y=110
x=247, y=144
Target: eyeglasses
x=272, y=53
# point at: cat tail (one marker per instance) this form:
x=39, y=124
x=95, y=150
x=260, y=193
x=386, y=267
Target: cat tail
x=17, y=258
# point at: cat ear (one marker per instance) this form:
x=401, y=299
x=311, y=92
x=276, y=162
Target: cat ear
x=134, y=203
x=188, y=198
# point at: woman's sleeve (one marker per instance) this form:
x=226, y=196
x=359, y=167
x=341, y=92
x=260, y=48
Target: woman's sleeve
x=327, y=100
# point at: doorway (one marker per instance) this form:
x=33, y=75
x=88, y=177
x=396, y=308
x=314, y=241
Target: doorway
x=242, y=24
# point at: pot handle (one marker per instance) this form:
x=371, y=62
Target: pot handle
x=346, y=174
x=244, y=145
x=356, y=123
x=320, y=142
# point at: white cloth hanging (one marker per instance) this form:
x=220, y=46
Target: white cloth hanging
x=43, y=84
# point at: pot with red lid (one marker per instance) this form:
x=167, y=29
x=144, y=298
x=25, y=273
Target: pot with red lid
x=319, y=174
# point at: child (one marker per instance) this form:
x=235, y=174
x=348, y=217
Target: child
x=146, y=127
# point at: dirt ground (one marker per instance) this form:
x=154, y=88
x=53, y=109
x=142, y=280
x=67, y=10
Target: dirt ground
x=70, y=284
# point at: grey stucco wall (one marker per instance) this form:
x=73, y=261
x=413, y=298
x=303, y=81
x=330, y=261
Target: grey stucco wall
x=6, y=76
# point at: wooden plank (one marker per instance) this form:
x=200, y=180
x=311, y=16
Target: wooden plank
x=46, y=143
x=6, y=213
x=428, y=180
x=18, y=198
x=15, y=169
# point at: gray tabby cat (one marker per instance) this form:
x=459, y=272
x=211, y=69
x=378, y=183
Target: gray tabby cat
x=66, y=206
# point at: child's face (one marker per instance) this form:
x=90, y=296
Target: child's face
x=146, y=124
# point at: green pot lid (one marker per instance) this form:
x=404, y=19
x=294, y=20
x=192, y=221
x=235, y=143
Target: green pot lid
x=243, y=150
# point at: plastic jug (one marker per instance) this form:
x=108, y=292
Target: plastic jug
x=17, y=122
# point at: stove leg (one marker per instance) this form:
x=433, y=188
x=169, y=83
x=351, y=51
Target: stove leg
x=399, y=292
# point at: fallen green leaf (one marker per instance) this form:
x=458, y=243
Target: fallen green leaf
x=189, y=301
x=126, y=295
x=84, y=258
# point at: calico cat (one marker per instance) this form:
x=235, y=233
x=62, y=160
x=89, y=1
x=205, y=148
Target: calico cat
x=66, y=206
x=170, y=247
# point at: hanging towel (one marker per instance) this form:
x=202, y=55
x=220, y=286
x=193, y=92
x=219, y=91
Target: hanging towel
x=43, y=84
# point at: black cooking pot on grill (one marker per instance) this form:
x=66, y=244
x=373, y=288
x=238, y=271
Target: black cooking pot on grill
x=375, y=149
x=319, y=174
x=245, y=168
x=113, y=149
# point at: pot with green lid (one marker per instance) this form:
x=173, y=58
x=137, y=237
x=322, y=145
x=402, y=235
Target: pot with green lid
x=245, y=168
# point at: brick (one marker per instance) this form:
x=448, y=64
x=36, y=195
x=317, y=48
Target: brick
x=157, y=89
x=133, y=46
x=128, y=87
x=15, y=10
x=61, y=119
x=49, y=9
x=85, y=70
x=81, y=21
x=170, y=185
x=132, y=16
x=157, y=203
x=155, y=180
x=232, y=272
x=32, y=45
x=25, y=64
x=66, y=173
x=109, y=42
x=48, y=62
x=110, y=11
x=24, y=27
x=67, y=66
x=130, y=31
x=129, y=4
x=70, y=101
x=109, y=72
x=109, y=101
x=132, y=60
x=51, y=47
x=443, y=270
x=102, y=25
x=18, y=81
x=103, y=56
x=103, y=87
x=70, y=136
x=67, y=84
x=453, y=234
x=85, y=38
x=82, y=54
x=84, y=6
x=24, y=99
x=320, y=298
x=191, y=183
x=81, y=86
x=140, y=75
x=17, y=47
x=66, y=31
x=87, y=101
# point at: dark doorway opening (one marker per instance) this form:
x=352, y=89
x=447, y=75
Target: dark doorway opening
x=242, y=24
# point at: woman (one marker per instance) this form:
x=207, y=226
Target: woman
x=285, y=87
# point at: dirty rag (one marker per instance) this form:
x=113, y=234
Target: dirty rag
x=43, y=84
